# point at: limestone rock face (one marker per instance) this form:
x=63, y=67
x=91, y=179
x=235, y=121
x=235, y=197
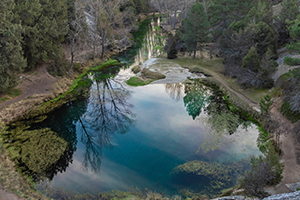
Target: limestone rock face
x=236, y=198
x=285, y=196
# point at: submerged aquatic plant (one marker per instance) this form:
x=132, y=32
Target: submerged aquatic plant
x=35, y=151
x=216, y=175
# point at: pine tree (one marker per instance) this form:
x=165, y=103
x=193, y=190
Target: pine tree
x=11, y=55
x=196, y=27
x=265, y=104
x=45, y=23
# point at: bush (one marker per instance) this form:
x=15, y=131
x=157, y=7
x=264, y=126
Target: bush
x=291, y=61
x=294, y=116
x=251, y=60
x=264, y=171
x=59, y=67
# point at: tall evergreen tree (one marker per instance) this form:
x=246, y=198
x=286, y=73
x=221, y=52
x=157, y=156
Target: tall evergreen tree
x=196, y=27
x=11, y=55
x=45, y=24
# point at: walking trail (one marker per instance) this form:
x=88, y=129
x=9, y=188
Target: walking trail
x=38, y=83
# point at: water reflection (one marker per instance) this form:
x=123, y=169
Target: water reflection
x=199, y=98
x=92, y=122
x=175, y=90
x=108, y=113
x=208, y=106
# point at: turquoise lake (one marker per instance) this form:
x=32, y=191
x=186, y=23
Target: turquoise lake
x=124, y=137
x=158, y=137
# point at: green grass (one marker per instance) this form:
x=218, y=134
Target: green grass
x=14, y=93
x=216, y=66
x=4, y=99
x=136, y=81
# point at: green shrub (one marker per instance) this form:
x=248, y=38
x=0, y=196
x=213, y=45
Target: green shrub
x=59, y=67
x=293, y=46
x=264, y=171
x=251, y=60
x=291, y=61
x=288, y=113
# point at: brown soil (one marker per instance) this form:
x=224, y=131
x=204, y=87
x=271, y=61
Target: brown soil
x=30, y=84
x=289, y=145
x=7, y=195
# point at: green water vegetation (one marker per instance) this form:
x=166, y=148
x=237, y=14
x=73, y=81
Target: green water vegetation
x=147, y=73
x=136, y=81
x=34, y=151
x=216, y=175
x=13, y=179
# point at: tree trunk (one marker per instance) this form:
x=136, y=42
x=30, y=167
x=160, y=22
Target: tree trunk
x=211, y=51
x=103, y=48
x=194, y=54
x=72, y=57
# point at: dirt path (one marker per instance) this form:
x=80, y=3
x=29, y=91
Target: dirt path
x=38, y=83
x=290, y=147
x=7, y=195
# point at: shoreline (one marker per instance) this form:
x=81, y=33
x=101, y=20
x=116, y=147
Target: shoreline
x=37, y=100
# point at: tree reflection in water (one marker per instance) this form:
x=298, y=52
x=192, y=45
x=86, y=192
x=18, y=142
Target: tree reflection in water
x=108, y=113
x=218, y=119
x=92, y=122
x=175, y=90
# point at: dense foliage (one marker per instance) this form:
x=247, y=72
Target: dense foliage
x=34, y=31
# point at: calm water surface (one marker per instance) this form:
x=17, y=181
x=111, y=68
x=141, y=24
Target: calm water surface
x=125, y=137
x=119, y=137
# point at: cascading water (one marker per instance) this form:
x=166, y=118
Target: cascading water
x=151, y=47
